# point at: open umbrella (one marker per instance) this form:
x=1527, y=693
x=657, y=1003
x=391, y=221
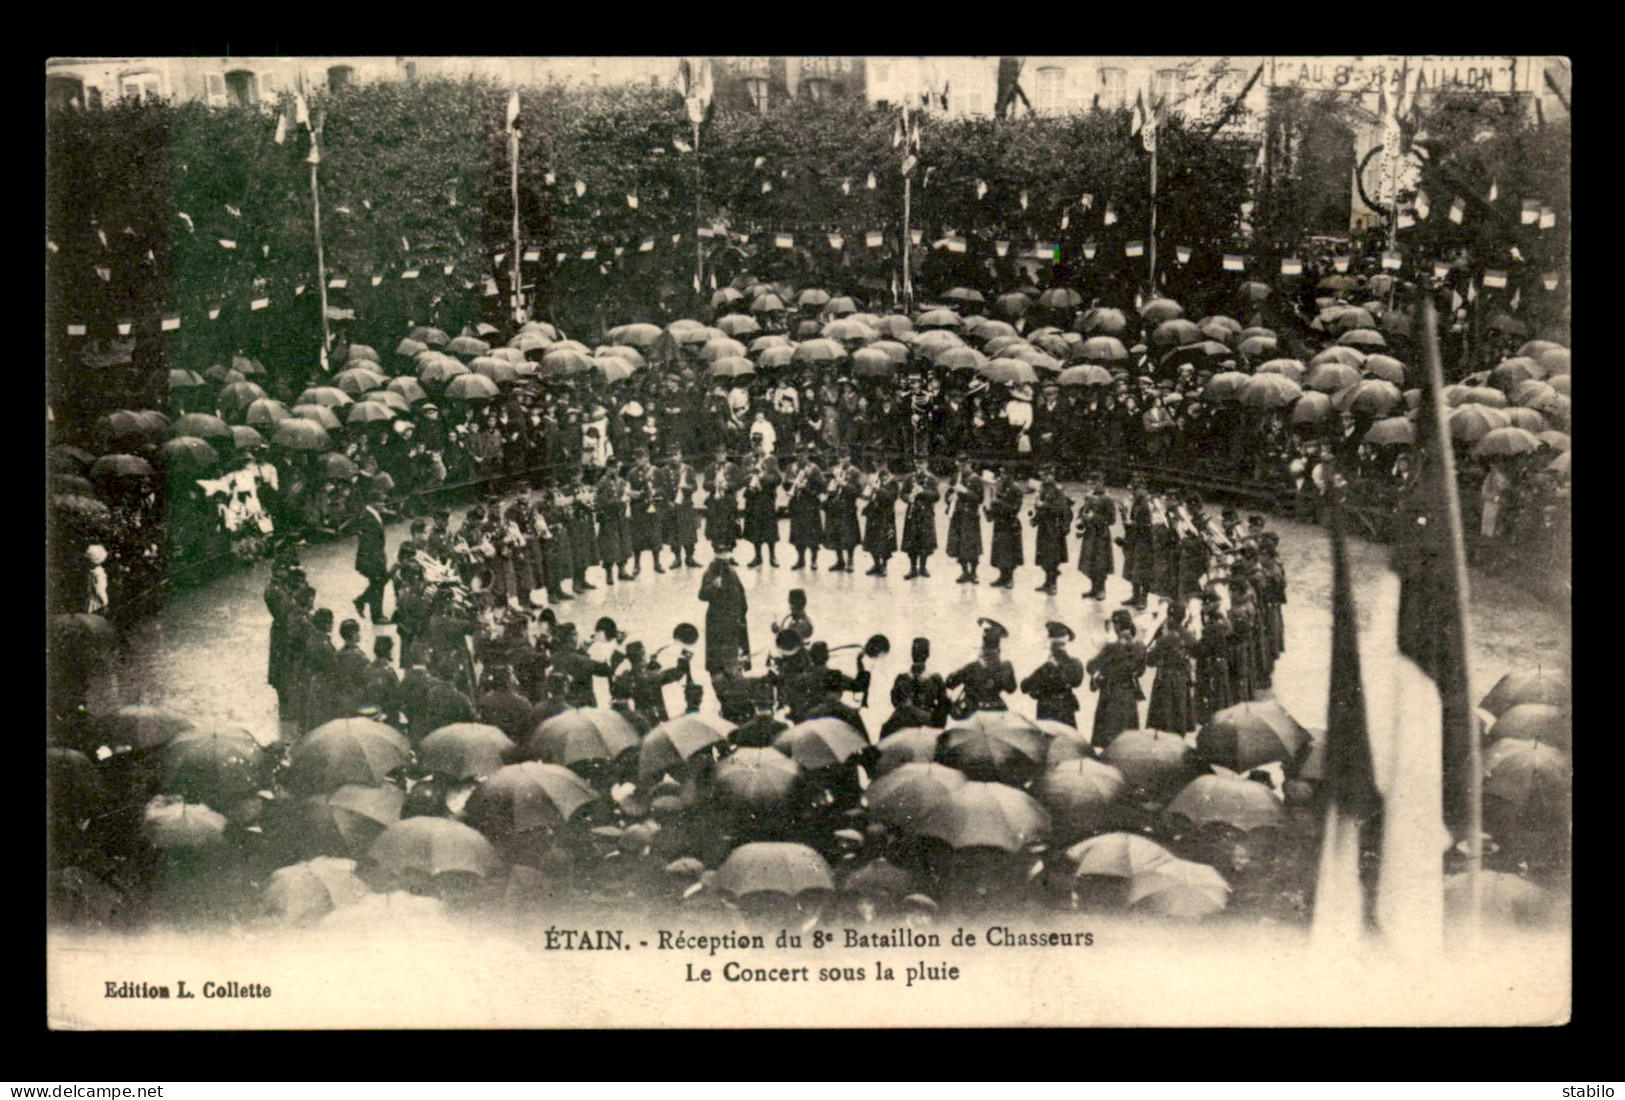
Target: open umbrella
x=1505, y=442
x=1348, y=356
x=1035, y=358
x=938, y=319
x=820, y=743
x=1258, y=347
x=637, y=335
x=995, y=746
x=1180, y=888
x=1554, y=441
x=265, y=413
x=1118, y=855
x=1012, y=305
x=767, y=303
x=237, y=396
x=1085, y=376
x=964, y=294
x=410, y=347
x=1253, y=292
x=1248, y=735
x=426, y=847
x=1385, y=367
x=358, y=380
x=905, y=796
x=1311, y=408
x=734, y=366
x=1394, y=431
x=327, y=396
x=613, y=368
x=1219, y=328
x=312, y=889
x=1175, y=333
x=1291, y=369
x=770, y=359
x=464, y=750
x=1009, y=372
x=773, y=868
x=987, y=815
x=738, y=324
x=1548, y=686
x=468, y=346
x=214, y=766
x=497, y=370
x=813, y=296
x=562, y=361
x=1060, y=297
x=1503, y=899
x=1268, y=391
x=171, y=823
x=390, y=399
x=756, y=778
x=1363, y=338
x=346, y=750
x=200, y=426
x=850, y=330
x=1483, y=395
x=1101, y=321
x=185, y=379
x=1227, y=800
x=911, y=745
x=1065, y=743
x=1471, y=423
x=1535, y=722
x=186, y=454
x=868, y=363
x=1527, y=419
x=672, y=743
x=319, y=414
x=298, y=434
x=1224, y=386
x=1003, y=345
x=959, y=358
x=525, y=796
x=1160, y=310
x=527, y=342
x=581, y=734
x=224, y=375
x=1077, y=793
x=1531, y=778
x=471, y=387
x=1369, y=397
x=342, y=822
x=1554, y=361
x=1507, y=375
x=823, y=350
x=880, y=880
x=246, y=365
x=726, y=296
x=1155, y=762
x=113, y=469
x=369, y=412
x=433, y=337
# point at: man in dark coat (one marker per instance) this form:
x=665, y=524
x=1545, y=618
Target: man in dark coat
x=577, y=668
x=1164, y=552
x=806, y=483
x=880, y=518
x=1052, y=516
x=642, y=681
x=1053, y=684
x=370, y=561
x=583, y=532
x=762, y=479
x=281, y=600
x=1004, y=512
x=383, y=683
x=964, y=503
x=1172, y=706
x=1115, y=673
x=921, y=493
x=1095, y=518
x=676, y=483
x=439, y=703
x=610, y=503
x=726, y=635
x=646, y=520
x=987, y=679
x=1214, y=687
x=319, y=670
x=918, y=697
x=350, y=672
x=841, y=513
x=502, y=706
x=722, y=485
x=1138, y=562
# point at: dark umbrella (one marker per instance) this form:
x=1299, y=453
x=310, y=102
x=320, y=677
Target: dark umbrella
x=343, y=822
x=672, y=743
x=1268, y=391
x=1078, y=793
x=1060, y=297
x=145, y=727
x=820, y=743
x=1531, y=778
x=426, y=847
x=581, y=734
x=1101, y=321
x=1224, y=386
x=757, y=778
x=1369, y=397
x=1534, y=722
x=906, y=795
x=1175, y=333
x=1394, y=431
x=244, y=437
x=773, y=868
x=1090, y=375
x=215, y=766
x=987, y=815
x=1245, y=736
x=1311, y=408
x=1503, y=899
x=320, y=415
x=1156, y=762
x=1506, y=442
x=297, y=434
x=346, y=750
x=189, y=454
x=527, y=796
x=465, y=750
x=471, y=387
x=995, y=746
x=113, y=469
x=1547, y=686
x=265, y=412
x=913, y=745
x=311, y=890
x=1179, y=888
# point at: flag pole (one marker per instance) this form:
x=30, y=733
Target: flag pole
x=518, y=245
x=316, y=210
x=1156, y=143
x=699, y=242
x=1393, y=176
x=1458, y=555
x=908, y=239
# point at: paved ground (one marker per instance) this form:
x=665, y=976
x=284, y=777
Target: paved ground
x=205, y=653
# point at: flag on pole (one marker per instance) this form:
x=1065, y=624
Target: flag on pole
x=581, y=188
x=676, y=238
x=1458, y=207
x=513, y=111
x=909, y=162
x=1233, y=262
x=695, y=76
x=1148, y=135
x=281, y=134
x=1351, y=791
x=301, y=112
x=1139, y=114
x=846, y=186
x=713, y=280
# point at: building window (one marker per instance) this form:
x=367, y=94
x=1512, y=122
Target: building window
x=139, y=86
x=410, y=68
x=1049, y=93
x=817, y=90
x=1113, y=88
x=340, y=77
x=93, y=98
x=242, y=88
x=1167, y=86
x=268, y=87
x=756, y=87
x=64, y=91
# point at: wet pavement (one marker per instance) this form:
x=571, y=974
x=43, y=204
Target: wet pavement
x=205, y=653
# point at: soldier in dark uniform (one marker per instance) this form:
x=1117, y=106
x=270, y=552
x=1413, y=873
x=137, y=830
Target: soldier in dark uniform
x=920, y=518
x=787, y=661
x=682, y=524
x=610, y=504
x=987, y=679
x=1272, y=591
x=819, y=690
x=1193, y=553
x=1245, y=638
x=558, y=552
x=796, y=619
x=722, y=484
x=964, y=503
x=880, y=518
x=642, y=681
x=1164, y=552
x=647, y=517
x=726, y=636
x=762, y=479
x=1004, y=512
x=350, y=671
x=319, y=666
x=1139, y=564
x=578, y=669
x=583, y=532
x=282, y=602
x=1053, y=683
x=383, y=683
x=1095, y=518
x=806, y=486
x=1172, y=706
x=918, y=697
x=1214, y=688
x=1052, y=516
x=841, y=513
x=1115, y=673
x=440, y=702
x=502, y=706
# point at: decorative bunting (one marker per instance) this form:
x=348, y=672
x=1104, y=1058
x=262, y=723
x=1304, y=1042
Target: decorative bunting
x=1516, y=255
x=124, y=327
x=1548, y=217
x=1495, y=191
x=1392, y=261
x=1531, y=212
x=619, y=251
x=1291, y=265
x=836, y=241
x=259, y=303
x=767, y=185
x=406, y=245
x=981, y=189
x=170, y=322
x=1066, y=220
x=230, y=209
x=50, y=244
x=648, y=245
x=590, y=254
x=581, y=188
x=759, y=162
x=377, y=279
x=917, y=235
x=1472, y=290
x=1549, y=280
x=1134, y=249
x=533, y=255
x=871, y=182
x=106, y=273
x=632, y=201
x=1233, y=262
x=1182, y=253
x=1495, y=279
x=491, y=290
x=874, y=238
x=1087, y=202
x=1002, y=248
x=705, y=232
x=561, y=257
x=676, y=238
x=1089, y=250
x=1406, y=219
x=783, y=240
x=410, y=273
x=1341, y=264
x=956, y=244
x=76, y=330
x=447, y=269
x=550, y=179
x=1441, y=270
x=681, y=146
x=1110, y=217
x=1024, y=198
x=497, y=261
x=299, y=290
x=1517, y=296
x=214, y=313
x=227, y=244
x=846, y=186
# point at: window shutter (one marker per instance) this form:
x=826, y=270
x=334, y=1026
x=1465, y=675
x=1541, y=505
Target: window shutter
x=217, y=90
